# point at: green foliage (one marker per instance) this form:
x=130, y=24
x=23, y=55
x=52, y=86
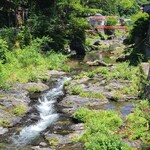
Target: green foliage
x=67, y=83
x=10, y=36
x=139, y=28
x=19, y=110
x=24, y=36
x=52, y=141
x=4, y=123
x=76, y=90
x=34, y=89
x=82, y=114
x=120, y=71
x=29, y=63
x=92, y=95
x=117, y=95
x=3, y=49
x=111, y=21
x=100, y=127
x=138, y=122
x=103, y=142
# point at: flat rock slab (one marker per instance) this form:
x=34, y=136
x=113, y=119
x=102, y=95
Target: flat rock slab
x=57, y=139
x=41, y=86
x=55, y=72
x=72, y=102
x=3, y=130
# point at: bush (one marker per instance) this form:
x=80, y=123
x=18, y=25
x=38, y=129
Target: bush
x=100, y=128
x=103, y=142
x=138, y=123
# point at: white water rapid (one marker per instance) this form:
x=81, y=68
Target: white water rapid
x=46, y=112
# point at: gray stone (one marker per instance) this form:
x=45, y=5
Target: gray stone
x=3, y=130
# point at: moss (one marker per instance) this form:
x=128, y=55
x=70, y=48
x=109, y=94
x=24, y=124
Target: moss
x=53, y=141
x=34, y=89
x=5, y=123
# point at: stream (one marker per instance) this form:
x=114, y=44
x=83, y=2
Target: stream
x=49, y=118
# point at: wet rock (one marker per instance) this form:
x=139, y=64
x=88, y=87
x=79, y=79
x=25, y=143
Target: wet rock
x=75, y=146
x=72, y=102
x=43, y=144
x=40, y=148
x=54, y=72
x=78, y=127
x=97, y=63
x=57, y=139
x=133, y=143
x=39, y=85
x=3, y=130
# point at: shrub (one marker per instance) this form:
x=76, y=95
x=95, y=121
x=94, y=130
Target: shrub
x=138, y=122
x=100, y=128
x=76, y=90
x=103, y=142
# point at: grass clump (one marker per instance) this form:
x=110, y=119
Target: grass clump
x=4, y=123
x=90, y=74
x=92, y=95
x=76, y=90
x=34, y=89
x=101, y=127
x=117, y=95
x=19, y=110
x=53, y=141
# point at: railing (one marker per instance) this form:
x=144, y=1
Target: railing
x=113, y=27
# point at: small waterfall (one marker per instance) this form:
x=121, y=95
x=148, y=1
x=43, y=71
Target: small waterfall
x=46, y=112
